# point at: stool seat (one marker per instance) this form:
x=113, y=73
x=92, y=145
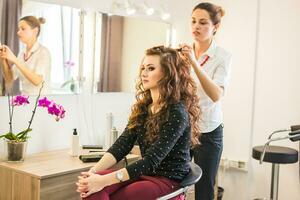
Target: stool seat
x=276, y=154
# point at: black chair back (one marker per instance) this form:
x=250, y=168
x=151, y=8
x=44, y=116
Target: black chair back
x=191, y=178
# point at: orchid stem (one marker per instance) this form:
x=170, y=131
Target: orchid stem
x=35, y=106
x=10, y=111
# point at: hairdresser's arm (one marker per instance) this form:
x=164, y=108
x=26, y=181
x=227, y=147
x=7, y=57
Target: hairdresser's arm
x=214, y=91
x=34, y=78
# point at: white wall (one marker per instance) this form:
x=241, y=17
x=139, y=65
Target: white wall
x=263, y=87
x=277, y=101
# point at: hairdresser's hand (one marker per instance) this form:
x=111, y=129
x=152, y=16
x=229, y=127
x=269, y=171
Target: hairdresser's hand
x=188, y=52
x=89, y=183
x=6, y=53
x=1, y=49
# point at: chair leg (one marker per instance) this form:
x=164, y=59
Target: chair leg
x=274, y=182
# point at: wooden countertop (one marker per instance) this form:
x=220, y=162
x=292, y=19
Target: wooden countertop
x=52, y=163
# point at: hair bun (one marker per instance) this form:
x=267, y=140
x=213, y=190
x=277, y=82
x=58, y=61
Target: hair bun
x=42, y=20
x=221, y=11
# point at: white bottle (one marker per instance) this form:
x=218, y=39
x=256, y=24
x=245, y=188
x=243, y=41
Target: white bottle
x=109, y=119
x=75, y=143
x=113, y=135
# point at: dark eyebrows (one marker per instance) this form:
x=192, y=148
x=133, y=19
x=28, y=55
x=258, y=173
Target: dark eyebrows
x=202, y=19
x=148, y=65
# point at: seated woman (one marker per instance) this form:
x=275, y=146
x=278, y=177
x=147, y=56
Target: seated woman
x=163, y=121
x=33, y=65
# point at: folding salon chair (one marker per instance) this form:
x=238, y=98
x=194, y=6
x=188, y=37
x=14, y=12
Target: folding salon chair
x=277, y=155
x=192, y=178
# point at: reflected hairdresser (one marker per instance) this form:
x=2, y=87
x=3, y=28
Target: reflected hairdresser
x=33, y=65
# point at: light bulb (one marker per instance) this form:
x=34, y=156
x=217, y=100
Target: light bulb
x=165, y=16
x=150, y=11
x=130, y=11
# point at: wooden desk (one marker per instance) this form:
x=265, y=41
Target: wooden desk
x=44, y=176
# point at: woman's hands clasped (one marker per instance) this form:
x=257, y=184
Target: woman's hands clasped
x=89, y=183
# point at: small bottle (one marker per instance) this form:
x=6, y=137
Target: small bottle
x=113, y=135
x=109, y=121
x=75, y=143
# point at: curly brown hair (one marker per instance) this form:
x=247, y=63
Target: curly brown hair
x=175, y=86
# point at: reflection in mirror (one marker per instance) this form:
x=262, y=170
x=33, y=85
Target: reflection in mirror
x=60, y=35
x=123, y=44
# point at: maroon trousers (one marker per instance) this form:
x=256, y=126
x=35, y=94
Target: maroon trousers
x=146, y=188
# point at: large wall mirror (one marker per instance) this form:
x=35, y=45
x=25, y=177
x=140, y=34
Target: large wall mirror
x=119, y=46
x=123, y=43
x=60, y=35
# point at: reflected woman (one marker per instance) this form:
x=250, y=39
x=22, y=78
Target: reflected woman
x=33, y=65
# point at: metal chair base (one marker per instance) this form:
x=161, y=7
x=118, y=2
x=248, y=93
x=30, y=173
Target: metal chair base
x=274, y=182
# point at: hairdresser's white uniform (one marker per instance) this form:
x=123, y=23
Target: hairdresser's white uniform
x=217, y=67
x=216, y=64
x=40, y=63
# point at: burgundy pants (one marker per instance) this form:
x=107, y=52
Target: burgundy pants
x=146, y=188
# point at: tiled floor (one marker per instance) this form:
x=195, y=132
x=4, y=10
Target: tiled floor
x=190, y=194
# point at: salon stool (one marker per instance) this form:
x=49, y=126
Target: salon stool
x=275, y=155
x=191, y=178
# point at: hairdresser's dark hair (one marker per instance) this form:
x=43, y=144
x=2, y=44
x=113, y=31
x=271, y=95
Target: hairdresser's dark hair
x=215, y=12
x=34, y=22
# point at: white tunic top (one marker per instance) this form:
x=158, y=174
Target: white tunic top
x=217, y=67
x=40, y=63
